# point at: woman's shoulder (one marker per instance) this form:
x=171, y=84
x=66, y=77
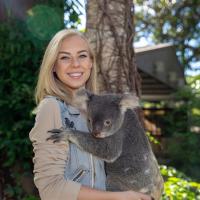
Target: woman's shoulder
x=47, y=117
x=49, y=103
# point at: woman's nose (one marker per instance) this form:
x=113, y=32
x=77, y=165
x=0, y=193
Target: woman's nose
x=75, y=62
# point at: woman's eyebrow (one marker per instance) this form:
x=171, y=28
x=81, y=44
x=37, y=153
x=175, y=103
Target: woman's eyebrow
x=65, y=52
x=83, y=51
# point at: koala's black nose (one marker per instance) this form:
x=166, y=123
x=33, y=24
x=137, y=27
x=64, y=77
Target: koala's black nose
x=96, y=133
x=97, y=128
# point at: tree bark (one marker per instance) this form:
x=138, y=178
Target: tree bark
x=110, y=29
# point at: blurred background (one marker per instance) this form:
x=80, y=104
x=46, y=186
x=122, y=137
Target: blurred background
x=161, y=42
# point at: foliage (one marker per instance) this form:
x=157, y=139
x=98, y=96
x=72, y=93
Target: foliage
x=185, y=111
x=72, y=11
x=152, y=139
x=20, y=59
x=30, y=198
x=40, y=22
x=181, y=125
x=177, y=186
x=183, y=153
x=176, y=22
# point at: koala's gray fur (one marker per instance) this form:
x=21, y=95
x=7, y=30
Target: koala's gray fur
x=118, y=138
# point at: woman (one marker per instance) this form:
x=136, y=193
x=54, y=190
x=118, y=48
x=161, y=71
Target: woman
x=62, y=171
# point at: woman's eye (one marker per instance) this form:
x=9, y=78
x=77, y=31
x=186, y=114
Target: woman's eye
x=83, y=56
x=65, y=58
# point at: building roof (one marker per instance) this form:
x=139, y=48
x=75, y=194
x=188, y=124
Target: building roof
x=160, y=70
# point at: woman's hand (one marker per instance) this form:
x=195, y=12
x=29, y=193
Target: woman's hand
x=131, y=195
x=87, y=193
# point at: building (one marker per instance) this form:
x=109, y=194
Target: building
x=160, y=71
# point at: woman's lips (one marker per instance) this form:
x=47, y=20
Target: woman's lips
x=75, y=75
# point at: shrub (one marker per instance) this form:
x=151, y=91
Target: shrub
x=178, y=186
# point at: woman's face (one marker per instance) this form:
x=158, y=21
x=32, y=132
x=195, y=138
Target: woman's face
x=73, y=64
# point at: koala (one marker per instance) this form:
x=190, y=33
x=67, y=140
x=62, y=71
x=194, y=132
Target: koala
x=116, y=136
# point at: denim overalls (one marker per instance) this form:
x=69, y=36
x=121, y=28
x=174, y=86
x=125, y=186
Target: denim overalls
x=81, y=166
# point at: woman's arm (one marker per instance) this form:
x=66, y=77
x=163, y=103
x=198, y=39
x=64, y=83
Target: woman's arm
x=92, y=194
x=49, y=158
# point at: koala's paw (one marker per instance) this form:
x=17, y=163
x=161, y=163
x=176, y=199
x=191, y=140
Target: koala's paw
x=57, y=135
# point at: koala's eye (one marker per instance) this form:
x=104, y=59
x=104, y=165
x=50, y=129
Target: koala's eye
x=89, y=120
x=107, y=122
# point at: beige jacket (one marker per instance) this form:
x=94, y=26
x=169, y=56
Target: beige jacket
x=49, y=158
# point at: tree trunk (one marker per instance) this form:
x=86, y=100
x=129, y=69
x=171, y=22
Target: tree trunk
x=110, y=29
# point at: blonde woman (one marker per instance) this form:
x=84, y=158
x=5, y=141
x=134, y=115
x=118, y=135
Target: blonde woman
x=61, y=170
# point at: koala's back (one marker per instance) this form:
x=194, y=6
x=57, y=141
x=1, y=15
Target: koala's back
x=136, y=168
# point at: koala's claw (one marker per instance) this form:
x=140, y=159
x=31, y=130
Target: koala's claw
x=56, y=135
x=55, y=131
x=55, y=138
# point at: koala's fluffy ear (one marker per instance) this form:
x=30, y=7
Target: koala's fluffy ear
x=80, y=99
x=129, y=101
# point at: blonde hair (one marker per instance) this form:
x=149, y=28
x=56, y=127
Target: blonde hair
x=47, y=83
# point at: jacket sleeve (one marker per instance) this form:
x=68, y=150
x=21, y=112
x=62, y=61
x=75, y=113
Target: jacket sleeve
x=50, y=158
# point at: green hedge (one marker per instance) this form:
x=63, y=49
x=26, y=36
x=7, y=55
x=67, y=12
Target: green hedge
x=20, y=59
x=177, y=186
